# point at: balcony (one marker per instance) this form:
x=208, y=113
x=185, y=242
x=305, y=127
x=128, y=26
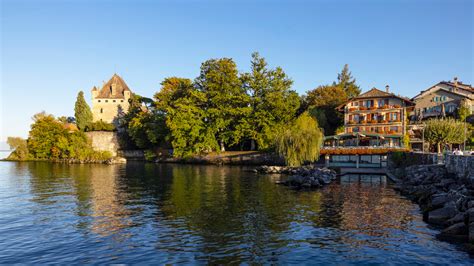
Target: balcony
x=372, y=122
x=363, y=109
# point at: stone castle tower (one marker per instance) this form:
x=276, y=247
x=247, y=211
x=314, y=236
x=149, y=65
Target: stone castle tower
x=111, y=100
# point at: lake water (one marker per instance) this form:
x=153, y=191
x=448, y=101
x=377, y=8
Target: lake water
x=57, y=213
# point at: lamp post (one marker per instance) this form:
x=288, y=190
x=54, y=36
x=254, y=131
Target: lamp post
x=465, y=133
x=423, y=139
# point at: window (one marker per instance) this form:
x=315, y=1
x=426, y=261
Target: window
x=101, y=110
x=98, y=101
x=121, y=101
x=113, y=100
x=395, y=128
x=106, y=101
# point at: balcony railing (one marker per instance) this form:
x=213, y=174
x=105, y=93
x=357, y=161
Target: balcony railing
x=372, y=122
x=373, y=108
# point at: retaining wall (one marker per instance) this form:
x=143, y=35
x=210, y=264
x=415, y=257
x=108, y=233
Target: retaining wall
x=104, y=141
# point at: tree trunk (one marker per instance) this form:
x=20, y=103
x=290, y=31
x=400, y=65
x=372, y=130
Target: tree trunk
x=252, y=145
x=222, y=146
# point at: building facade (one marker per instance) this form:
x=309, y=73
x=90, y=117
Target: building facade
x=110, y=101
x=442, y=99
x=375, y=123
x=378, y=113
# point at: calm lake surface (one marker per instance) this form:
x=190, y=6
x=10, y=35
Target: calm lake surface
x=57, y=213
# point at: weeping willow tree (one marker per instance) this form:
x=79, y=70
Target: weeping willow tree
x=300, y=141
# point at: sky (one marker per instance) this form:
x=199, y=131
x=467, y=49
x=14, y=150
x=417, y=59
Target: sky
x=50, y=50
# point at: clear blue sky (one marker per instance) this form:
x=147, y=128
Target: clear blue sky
x=52, y=49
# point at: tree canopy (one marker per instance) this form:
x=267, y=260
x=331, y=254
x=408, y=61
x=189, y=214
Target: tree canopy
x=300, y=141
x=82, y=112
x=19, y=147
x=272, y=102
x=347, y=83
x=49, y=138
x=441, y=131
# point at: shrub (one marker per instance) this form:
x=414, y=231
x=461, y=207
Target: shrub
x=100, y=126
x=20, y=149
x=150, y=155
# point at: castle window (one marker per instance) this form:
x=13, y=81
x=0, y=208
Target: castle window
x=106, y=101
x=114, y=100
x=101, y=110
x=98, y=101
x=121, y=101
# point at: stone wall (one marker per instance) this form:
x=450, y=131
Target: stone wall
x=104, y=141
x=132, y=155
x=461, y=166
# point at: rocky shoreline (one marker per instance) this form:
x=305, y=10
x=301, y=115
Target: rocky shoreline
x=446, y=201
x=301, y=177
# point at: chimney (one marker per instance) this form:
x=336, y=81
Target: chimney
x=455, y=81
x=387, y=89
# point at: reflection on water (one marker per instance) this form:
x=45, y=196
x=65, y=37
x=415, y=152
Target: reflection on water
x=204, y=214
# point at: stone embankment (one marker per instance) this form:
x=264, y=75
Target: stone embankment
x=301, y=177
x=446, y=199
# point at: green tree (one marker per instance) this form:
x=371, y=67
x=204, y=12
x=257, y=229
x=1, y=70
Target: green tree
x=463, y=110
x=19, y=147
x=325, y=99
x=444, y=131
x=184, y=108
x=82, y=112
x=50, y=139
x=300, y=141
x=272, y=102
x=44, y=136
x=226, y=101
x=348, y=83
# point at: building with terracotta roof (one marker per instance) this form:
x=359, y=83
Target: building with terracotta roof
x=376, y=111
x=111, y=100
x=374, y=123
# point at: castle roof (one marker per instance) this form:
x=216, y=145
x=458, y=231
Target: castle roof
x=120, y=87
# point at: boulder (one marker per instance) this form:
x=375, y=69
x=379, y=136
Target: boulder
x=439, y=200
x=470, y=215
x=458, y=218
x=441, y=215
x=471, y=233
x=455, y=229
x=455, y=232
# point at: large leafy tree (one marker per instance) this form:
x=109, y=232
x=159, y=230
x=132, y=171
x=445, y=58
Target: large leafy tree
x=226, y=101
x=19, y=147
x=464, y=110
x=325, y=99
x=144, y=123
x=444, y=131
x=82, y=112
x=271, y=100
x=184, y=107
x=348, y=83
x=50, y=138
x=46, y=136
x=300, y=141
